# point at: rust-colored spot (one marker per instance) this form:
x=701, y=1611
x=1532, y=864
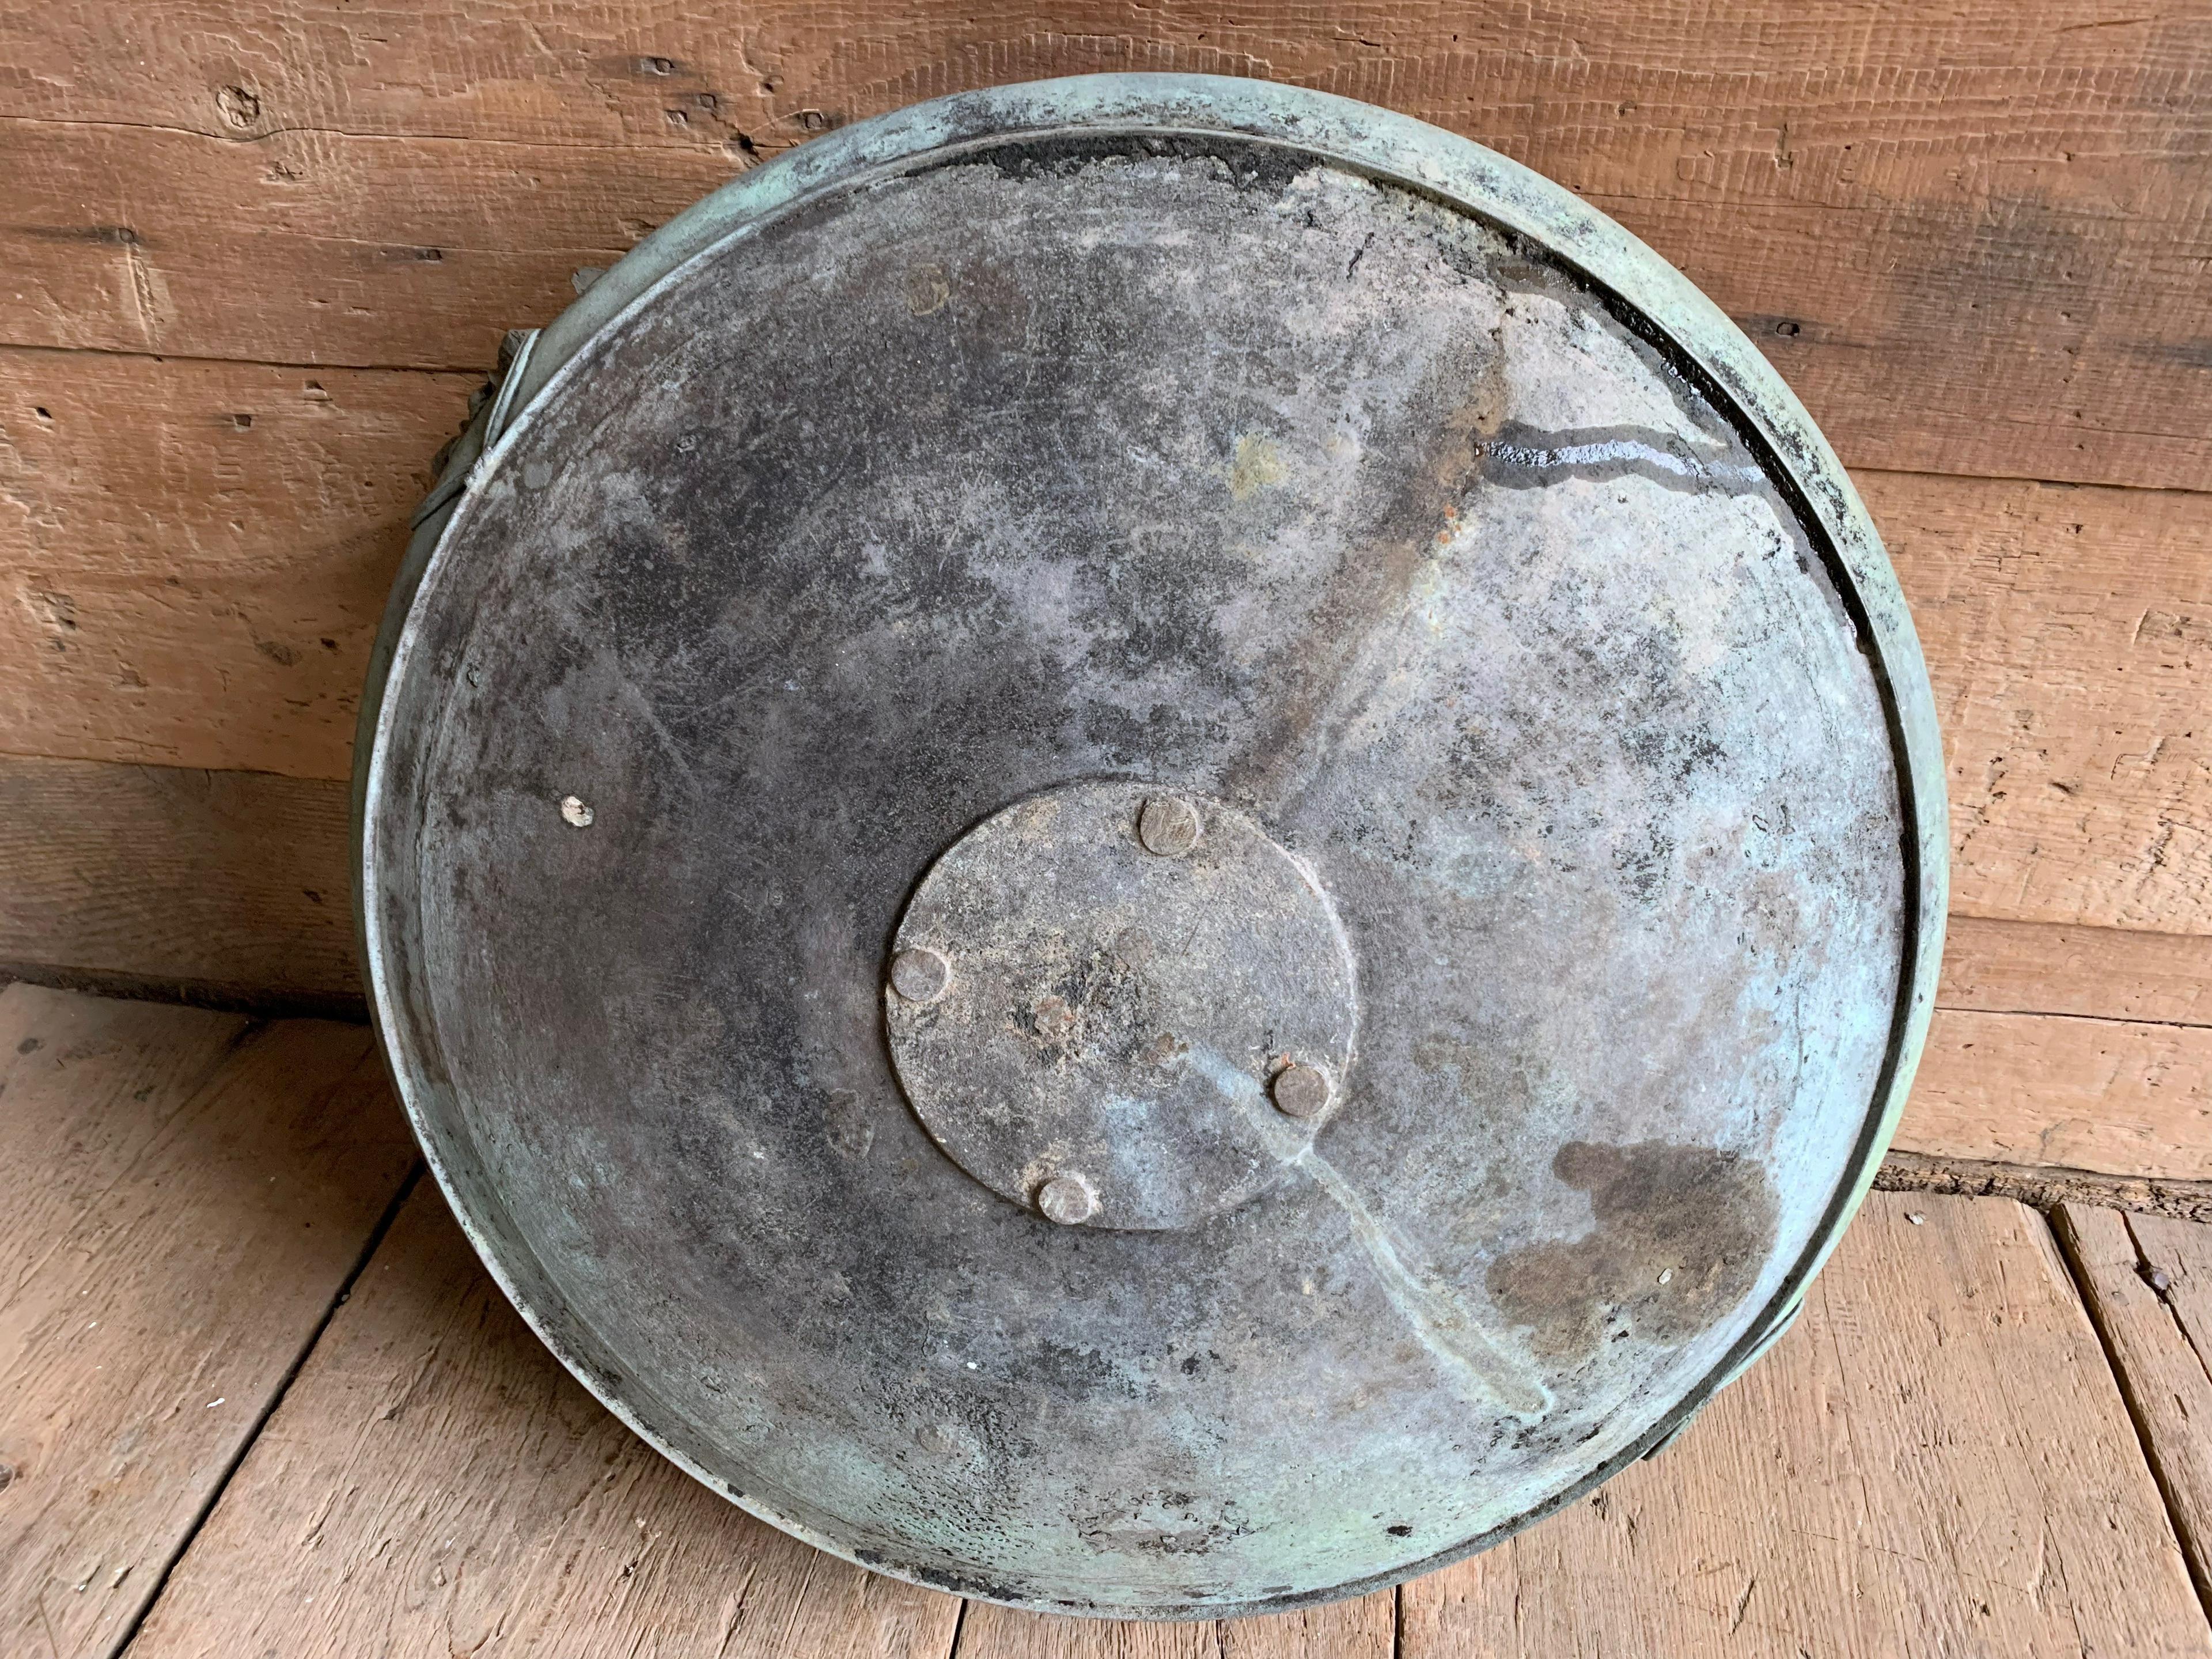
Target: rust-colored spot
x=1680, y=1233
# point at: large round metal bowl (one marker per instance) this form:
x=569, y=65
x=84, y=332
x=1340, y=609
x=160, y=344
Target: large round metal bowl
x=1149, y=844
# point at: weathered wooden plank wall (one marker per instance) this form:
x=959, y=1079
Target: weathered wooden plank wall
x=253, y=255
x=1982, y=221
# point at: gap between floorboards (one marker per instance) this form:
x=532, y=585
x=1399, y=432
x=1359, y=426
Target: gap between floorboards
x=129, y=1634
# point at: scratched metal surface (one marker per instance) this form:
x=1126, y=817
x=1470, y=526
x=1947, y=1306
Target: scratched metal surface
x=1236, y=456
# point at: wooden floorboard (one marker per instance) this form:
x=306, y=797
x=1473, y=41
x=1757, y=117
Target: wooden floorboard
x=1362, y=1628
x=2147, y=1281
x=434, y=1484
x=187, y=1193
x=1935, y=1462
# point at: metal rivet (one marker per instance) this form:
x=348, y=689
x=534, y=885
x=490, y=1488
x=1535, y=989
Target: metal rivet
x=1167, y=826
x=1300, y=1090
x=920, y=975
x=1068, y=1199
x=576, y=811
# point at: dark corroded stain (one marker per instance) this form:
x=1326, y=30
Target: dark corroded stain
x=1680, y=1233
x=1521, y=458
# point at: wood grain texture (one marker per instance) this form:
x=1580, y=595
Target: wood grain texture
x=217, y=885
x=188, y=1193
x=1935, y=1460
x=2148, y=1283
x=314, y=247
x=1971, y=234
x=1362, y=1628
x=2098, y=973
x=2068, y=636
x=197, y=554
x=435, y=1484
x=2117, y=1095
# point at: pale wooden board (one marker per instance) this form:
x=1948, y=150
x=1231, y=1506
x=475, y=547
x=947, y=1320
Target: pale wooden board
x=197, y=554
x=435, y=1484
x=2069, y=633
x=2100, y=973
x=207, y=885
x=2148, y=1285
x=187, y=1195
x=2123, y=1097
x=1362, y=1628
x=1935, y=1462
x=1986, y=224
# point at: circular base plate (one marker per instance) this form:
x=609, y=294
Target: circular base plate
x=1113, y=1015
